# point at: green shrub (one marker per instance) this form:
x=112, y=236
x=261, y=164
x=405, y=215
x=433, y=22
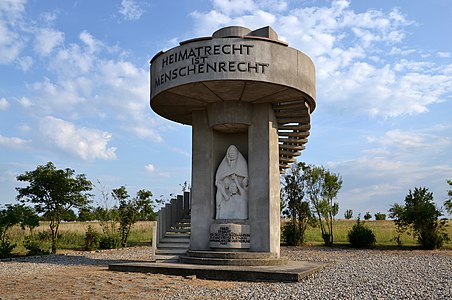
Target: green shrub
x=34, y=246
x=380, y=216
x=6, y=248
x=92, y=239
x=291, y=234
x=360, y=236
x=109, y=242
x=45, y=235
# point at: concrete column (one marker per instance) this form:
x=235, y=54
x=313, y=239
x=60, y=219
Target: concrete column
x=180, y=207
x=202, y=192
x=186, y=204
x=173, y=211
x=167, y=217
x=264, y=185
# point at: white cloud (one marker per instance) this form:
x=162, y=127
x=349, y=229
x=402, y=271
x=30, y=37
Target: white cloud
x=233, y=7
x=24, y=128
x=409, y=141
x=89, y=84
x=25, y=63
x=93, y=44
x=46, y=40
x=349, y=51
x=4, y=104
x=12, y=8
x=13, y=143
x=150, y=168
x=84, y=143
x=11, y=42
x=371, y=183
x=25, y=102
x=444, y=54
x=130, y=10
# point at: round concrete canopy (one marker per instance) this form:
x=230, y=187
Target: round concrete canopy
x=235, y=64
x=242, y=67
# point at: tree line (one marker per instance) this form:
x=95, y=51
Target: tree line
x=308, y=198
x=55, y=193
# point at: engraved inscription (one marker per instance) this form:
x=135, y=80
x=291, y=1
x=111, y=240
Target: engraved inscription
x=225, y=236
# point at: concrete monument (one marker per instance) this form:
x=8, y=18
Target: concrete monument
x=248, y=97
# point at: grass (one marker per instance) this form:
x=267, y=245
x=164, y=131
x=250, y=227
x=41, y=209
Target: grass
x=385, y=232
x=71, y=234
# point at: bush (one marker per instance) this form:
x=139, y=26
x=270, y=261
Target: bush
x=291, y=234
x=109, y=242
x=92, y=239
x=45, y=235
x=380, y=216
x=348, y=214
x=6, y=248
x=34, y=246
x=367, y=216
x=360, y=236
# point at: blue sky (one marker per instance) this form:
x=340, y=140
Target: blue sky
x=74, y=90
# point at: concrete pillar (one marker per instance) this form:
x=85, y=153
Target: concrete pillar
x=167, y=217
x=180, y=206
x=264, y=185
x=186, y=204
x=173, y=211
x=202, y=192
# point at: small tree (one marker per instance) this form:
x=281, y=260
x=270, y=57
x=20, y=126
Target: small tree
x=145, y=206
x=130, y=209
x=360, y=236
x=448, y=202
x=380, y=216
x=420, y=216
x=296, y=208
x=15, y=215
x=54, y=192
x=322, y=187
x=348, y=214
x=367, y=216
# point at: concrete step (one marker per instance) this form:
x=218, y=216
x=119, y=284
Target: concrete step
x=182, y=225
x=171, y=251
x=166, y=258
x=233, y=262
x=173, y=245
x=177, y=235
x=175, y=240
x=231, y=255
x=179, y=230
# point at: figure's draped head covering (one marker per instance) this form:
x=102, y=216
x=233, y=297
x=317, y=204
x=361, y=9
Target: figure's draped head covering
x=226, y=168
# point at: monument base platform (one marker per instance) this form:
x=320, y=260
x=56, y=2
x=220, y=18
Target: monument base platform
x=293, y=271
x=228, y=258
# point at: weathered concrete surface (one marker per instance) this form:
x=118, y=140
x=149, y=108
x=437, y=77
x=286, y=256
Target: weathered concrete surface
x=257, y=71
x=294, y=271
x=264, y=184
x=244, y=88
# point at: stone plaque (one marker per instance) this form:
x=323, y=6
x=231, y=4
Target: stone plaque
x=229, y=236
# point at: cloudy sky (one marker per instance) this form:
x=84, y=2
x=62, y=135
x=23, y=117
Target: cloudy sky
x=74, y=90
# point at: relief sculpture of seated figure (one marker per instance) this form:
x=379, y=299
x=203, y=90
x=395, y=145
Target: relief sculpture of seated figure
x=231, y=181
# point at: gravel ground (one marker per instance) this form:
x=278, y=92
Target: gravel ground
x=355, y=274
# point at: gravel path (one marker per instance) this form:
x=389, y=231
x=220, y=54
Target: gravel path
x=356, y=274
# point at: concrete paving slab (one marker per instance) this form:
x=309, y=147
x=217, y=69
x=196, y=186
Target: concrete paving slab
x=294, y=271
